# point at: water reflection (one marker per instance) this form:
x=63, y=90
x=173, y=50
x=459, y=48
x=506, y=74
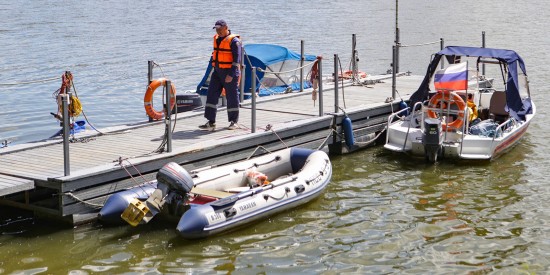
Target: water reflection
x=382, y=213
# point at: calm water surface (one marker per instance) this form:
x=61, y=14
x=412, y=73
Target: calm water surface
x=382, y=213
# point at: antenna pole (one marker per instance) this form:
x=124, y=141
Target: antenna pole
x=397, y=41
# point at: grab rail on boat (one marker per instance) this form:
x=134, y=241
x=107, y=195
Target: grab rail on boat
x=390, y=120
x=500, y=130
x=465, y=126
x=412, y=116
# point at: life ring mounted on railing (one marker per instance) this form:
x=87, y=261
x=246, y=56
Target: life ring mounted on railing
x=148, y=98
x=443, y=97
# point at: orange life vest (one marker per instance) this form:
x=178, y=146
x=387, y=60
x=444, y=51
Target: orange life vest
x=222, y=57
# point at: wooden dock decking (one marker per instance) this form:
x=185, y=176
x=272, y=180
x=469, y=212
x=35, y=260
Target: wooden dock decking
x=32, y=175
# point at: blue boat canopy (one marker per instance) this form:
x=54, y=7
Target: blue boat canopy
x=269, y=58
x=512, y=62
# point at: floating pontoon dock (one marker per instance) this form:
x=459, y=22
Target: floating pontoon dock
x=32, y=175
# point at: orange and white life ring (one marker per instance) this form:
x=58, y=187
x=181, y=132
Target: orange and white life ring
x=148, y=98
x=451, y=98
x=349, y=74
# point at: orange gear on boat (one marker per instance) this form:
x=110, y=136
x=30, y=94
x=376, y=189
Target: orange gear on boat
x=452, y=98
x=349, y=74
x=148, y=98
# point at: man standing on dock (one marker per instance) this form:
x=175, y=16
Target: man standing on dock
x=225, y=61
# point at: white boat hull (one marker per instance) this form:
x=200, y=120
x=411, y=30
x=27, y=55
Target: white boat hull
x=404, y=139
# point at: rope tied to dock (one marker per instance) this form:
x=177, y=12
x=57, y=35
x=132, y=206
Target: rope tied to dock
x=269, y=127
x=73, y=196
x=331, y=132
x=373, y=139
x=416, y=45
x=121, y=162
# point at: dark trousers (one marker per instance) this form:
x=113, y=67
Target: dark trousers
x=217, y=82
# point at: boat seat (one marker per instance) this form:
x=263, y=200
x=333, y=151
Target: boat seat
x=497, y=106
x=210, y=192
x=238, y=189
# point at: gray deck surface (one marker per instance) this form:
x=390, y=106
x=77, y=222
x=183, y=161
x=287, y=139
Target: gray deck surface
x=23, y=165
x=10, y=185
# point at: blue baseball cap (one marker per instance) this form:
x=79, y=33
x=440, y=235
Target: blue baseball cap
x=219, y=23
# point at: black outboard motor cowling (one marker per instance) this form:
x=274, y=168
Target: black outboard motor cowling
x=175, y=178
x=187, y=102
x=432, y=138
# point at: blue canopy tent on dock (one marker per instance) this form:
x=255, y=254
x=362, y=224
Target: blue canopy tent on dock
x=270, y=58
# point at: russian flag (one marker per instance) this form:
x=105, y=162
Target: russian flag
x=454, y=77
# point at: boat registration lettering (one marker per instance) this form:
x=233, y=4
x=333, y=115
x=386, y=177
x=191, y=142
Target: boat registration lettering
x=316, y=179
x=215, y=217
x=247, y=206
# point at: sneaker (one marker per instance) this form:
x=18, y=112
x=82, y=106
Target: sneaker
x=232, y=126
x=208, y=126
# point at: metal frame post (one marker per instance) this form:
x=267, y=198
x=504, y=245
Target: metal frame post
x=168, y=116
x=335, y=114
x=302, y=58
x=243, y=81
x=441, y=46
x=253, y=122
x=397, y=45
x=66, y=132
x=483, y=46
x=150, y=66
x=354, y=70
x=320, y=76
x=394, y=72
x=397, y=38
x=336, y=83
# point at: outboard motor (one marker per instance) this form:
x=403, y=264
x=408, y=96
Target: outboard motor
x=172, y=180
x=187, y=102
x=432, y=138
x=175, y=178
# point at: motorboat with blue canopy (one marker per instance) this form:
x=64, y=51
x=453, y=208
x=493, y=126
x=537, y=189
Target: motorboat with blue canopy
x=473, y=103
x=276, y=70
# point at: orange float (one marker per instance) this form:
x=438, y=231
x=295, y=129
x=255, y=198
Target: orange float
x=451, y=98
x=349, y=74
x=148, y=99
